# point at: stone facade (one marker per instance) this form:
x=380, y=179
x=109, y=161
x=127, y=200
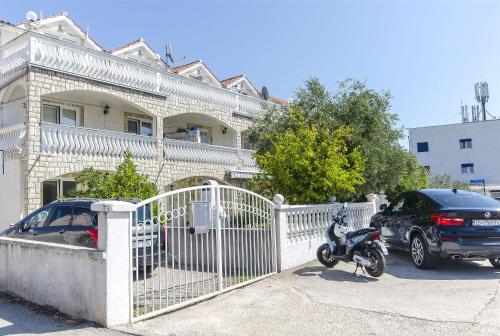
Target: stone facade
x=41, y=167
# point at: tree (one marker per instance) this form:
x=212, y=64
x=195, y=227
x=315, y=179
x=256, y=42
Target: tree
x=446, y=182
x=125, y=182
x=373, y=129
x=308, y=164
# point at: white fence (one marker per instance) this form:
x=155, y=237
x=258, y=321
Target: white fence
x=302, y=227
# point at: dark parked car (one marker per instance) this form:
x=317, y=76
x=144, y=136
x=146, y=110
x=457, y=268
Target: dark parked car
x=74, y=223
x=442, y=223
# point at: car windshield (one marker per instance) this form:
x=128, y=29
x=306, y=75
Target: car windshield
x=143, y=213
x=465, y=200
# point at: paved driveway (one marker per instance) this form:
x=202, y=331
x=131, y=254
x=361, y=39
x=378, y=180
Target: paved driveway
x=458, y=298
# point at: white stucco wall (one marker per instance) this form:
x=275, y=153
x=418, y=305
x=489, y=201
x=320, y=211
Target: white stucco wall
x=446, y=157
x=12, y=113
x=95, y=118
x=70, y=279
x=11, y=193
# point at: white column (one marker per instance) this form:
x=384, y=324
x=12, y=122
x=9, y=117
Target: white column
x=115, y=238
x=280, y=219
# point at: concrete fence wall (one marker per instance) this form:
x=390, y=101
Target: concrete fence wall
x=67, y=278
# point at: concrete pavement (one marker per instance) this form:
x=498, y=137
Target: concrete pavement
x=457, y=298
x=20, y=318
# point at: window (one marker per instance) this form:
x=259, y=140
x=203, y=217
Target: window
x=50, y=191
x=61, y=216
x=245, y=142
x=419, y=203
x=139, y=127
x=467, y=168
x=422, y=147
x=83, y=217
x=146, y=128
x=465, y=143
x=37, y=219
x=204, y=136
x=50, y=114
x=58, y=114
x=68, y=117
x=399, y=205
x=68, y=188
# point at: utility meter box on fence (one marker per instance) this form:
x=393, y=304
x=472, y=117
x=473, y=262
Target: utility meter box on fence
x=200, y=218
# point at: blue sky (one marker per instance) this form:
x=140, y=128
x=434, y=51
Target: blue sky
x=427, y=53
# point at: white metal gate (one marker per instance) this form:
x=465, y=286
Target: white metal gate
x=191, y=244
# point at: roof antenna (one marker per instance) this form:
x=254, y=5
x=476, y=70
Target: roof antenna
x=169, y=54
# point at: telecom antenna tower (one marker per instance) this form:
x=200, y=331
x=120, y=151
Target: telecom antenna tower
x=482, y=96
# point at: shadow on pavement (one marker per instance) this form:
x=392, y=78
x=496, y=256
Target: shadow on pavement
x=333, y=274
x=19, y=317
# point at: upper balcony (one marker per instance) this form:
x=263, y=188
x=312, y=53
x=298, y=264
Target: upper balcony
x=37, y=50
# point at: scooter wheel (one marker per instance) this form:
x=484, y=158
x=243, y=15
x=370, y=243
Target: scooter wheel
x=325, y=257
x=380, y=265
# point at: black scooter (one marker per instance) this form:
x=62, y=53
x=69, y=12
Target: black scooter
x=362, y=246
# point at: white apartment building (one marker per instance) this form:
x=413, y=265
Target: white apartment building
x=465, y=151
x=67, y=104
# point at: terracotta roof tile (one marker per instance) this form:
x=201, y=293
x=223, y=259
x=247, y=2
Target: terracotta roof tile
x=279, y=101
x=183, y=67
x=226, y=82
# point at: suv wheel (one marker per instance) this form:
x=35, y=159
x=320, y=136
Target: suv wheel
x=420, y=254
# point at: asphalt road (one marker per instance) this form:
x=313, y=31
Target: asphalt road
x=458, y=298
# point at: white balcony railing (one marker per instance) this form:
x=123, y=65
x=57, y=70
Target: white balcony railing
x=186, y=151
x=12, y=138
x=47, y=52
x=85, y=141
x=247, y=158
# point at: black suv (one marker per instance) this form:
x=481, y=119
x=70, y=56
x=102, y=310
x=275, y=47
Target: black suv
x=442, y=223
x=74, y=223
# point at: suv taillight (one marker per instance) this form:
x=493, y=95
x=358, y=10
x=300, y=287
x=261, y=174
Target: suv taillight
x=446, y=220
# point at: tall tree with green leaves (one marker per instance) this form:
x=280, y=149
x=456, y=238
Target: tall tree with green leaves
x=308, y=164
x=373, y=129
x=125, y=182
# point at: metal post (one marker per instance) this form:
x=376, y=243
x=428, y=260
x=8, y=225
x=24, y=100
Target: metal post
x=219, y=236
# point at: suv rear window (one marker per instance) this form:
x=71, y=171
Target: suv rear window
x=465, y=200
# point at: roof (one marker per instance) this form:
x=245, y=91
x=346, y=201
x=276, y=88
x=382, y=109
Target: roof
x=7, y=23
x=128, y=45
x=228, y=81
x=186, y=66
x=66, y=15
x=279, y=101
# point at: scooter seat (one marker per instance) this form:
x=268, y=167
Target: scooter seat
x=360, y=232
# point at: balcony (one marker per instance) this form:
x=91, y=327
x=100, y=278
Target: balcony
x=12, y=139
x=60, y=139
x=36, y=50
x=187, y=151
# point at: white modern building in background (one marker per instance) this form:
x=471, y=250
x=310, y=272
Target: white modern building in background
x=466, y=151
